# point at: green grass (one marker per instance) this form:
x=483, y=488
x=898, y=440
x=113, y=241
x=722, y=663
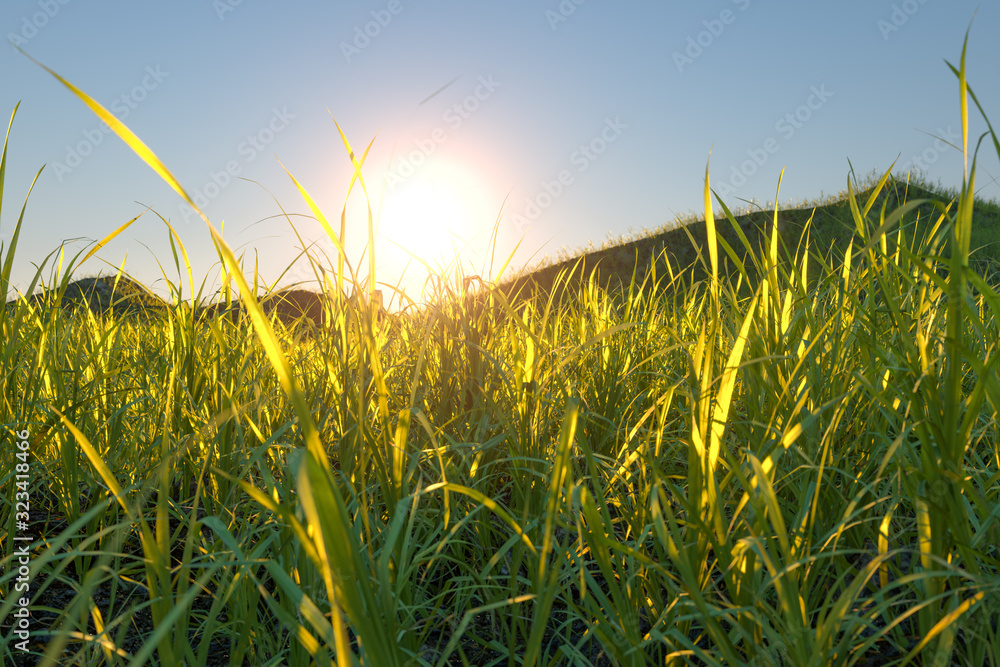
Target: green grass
x=778, y=449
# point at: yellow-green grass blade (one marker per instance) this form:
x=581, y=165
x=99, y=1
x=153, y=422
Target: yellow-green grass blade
x=103, y=242
x=9, y=255
x=459, y=632
x=357, y=175
x=123, y=132
x=272, y=349
x=8, y=263
x=177, y=239
x=560, y=478
x=179, y=606
x=848, y=262
x=139, y=148
x=309, y=612
x=736, y=259
x=398, y=459
x=773, y=250
x=490, y=504
x=713, y=249
x=324, y=223
x=682, y=554
x=3, y=154
x=341, y=559
x=761, y=481
x=964, y=105
x=859, y=220
x=727, y=384
x=357, y=163
x=992, y=133
x=957, y=288
x=894, y=218
x=945, y=628
x=877, y=190
x=611, y=600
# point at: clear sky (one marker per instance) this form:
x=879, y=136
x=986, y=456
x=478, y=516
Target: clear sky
x=589, y=118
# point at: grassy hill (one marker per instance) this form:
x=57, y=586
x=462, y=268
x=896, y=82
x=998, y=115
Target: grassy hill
x=829, y=223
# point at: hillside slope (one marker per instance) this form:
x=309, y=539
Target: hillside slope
x=831, y=228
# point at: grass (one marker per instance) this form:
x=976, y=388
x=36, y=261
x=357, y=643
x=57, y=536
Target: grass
x=776, y=450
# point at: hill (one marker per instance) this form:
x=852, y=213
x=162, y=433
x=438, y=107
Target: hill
x=830, y=226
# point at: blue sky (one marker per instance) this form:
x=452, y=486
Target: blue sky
x=591, y=119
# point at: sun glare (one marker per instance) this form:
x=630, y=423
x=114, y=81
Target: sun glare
x=435, y=216
x=424, y=218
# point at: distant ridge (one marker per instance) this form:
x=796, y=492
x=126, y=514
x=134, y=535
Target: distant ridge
x=110, y=295
x=120, y=296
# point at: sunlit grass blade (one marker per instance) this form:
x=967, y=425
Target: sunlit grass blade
x=100, y=244
x=123, y=132
x=713, y=249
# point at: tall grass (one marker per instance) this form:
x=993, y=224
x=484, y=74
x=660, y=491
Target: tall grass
x=793, y=464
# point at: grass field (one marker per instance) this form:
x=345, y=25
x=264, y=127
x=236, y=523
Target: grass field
x=772, y=443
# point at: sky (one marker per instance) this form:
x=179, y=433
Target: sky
x=515, y=129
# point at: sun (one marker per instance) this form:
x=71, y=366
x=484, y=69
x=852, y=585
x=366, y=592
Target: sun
x=423, y=218
x=441, y=221
x=433, y=216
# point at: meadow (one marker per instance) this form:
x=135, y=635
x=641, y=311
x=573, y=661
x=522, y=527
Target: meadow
x=766, y=448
